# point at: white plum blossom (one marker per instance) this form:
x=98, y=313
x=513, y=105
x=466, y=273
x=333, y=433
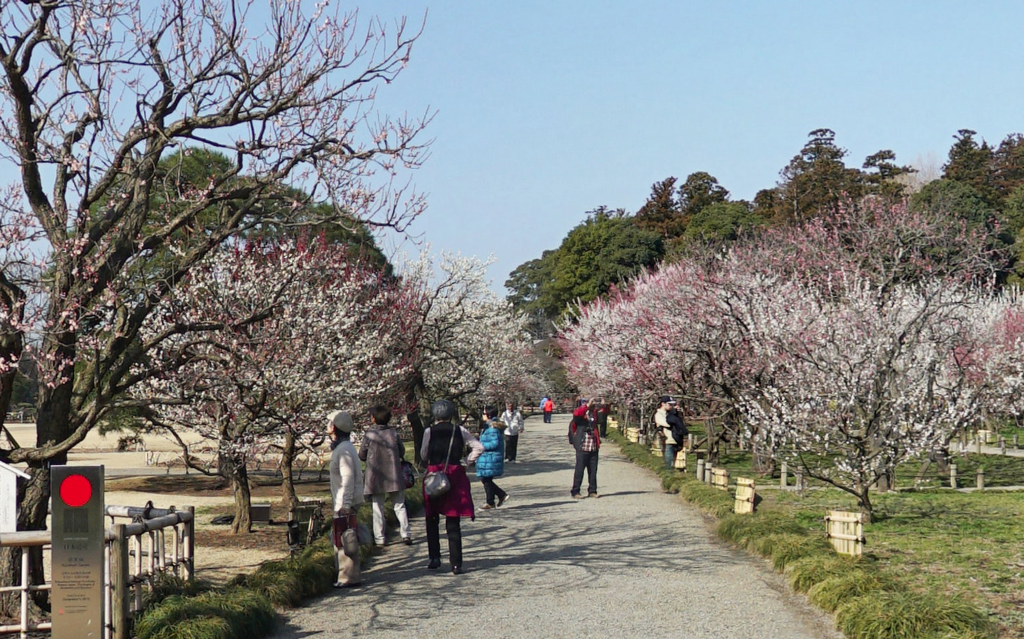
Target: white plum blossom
x=296, y=329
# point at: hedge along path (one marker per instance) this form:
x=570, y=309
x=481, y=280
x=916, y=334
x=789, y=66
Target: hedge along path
x=544, y=565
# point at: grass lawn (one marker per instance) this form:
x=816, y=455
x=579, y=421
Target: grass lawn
x=965, y=544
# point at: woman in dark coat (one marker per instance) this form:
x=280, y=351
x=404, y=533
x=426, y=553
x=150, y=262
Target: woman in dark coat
x=442, y=447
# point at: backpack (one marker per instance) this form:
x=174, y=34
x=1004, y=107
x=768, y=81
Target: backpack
x=679, y=429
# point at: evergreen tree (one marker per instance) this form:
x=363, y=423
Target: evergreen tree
x=816, y=179
x=700, y=190
x=883, y=180
x=661, y=213
x=971, y=163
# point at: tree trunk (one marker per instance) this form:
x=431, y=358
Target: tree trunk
x=243, y=500
x=289, y=498
x=238, y=474
x=763, y=461
x=864, y=501
x=711, y=434
x=417, y=434
x=416, y=420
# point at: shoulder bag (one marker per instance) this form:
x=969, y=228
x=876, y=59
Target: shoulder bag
x=436, y=484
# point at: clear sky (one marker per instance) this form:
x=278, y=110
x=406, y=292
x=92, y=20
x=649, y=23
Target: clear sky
x=546, y=110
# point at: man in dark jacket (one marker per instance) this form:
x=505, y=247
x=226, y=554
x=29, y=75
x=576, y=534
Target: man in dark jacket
x=587, y=441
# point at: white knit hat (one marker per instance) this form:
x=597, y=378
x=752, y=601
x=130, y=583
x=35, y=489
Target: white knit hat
x=342, y=421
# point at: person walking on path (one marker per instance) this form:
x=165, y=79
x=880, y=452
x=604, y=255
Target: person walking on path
x=513, y=420
x=442, y=447
x=383, y=452
x=491, y=463
x=587, y=442
x=665, y=430
x=346, y=495
x=548, y=407
x=672, y=428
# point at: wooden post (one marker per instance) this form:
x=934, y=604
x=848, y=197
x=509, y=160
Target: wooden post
x=24, y=590
x=119, y=583
x=137, y=571
x=190, y=544
x=707, y=473
x=689, y=440
x=952, y=475
x=745, y=496
x=800, y=480
x=977, y=444
x=981, y=478
x=1002, y=446
x=700, y=469
x=1015, y=446
x=784, y=483
x=845, y=531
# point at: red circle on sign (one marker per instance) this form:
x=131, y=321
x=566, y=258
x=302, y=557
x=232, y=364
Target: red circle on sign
x=75, y=491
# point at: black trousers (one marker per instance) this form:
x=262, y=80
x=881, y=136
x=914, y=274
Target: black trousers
x=588, y=461
x=492, y=490
x=454, y=527
x=511, y=447
x=547, y=417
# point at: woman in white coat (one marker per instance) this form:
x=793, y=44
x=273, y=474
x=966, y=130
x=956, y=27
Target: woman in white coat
x=346, y=495
x=513, y=420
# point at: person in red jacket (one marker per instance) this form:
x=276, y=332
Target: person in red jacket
x=587, y=441
x=548, y=407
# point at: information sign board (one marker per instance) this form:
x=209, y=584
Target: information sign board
x=78, y=530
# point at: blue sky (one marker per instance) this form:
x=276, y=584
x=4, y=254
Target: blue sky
x=546, y=110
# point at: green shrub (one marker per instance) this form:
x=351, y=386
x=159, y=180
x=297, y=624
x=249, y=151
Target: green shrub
x=316, y=570
x=911, y=615
x=278, y=581
x=236, y=613
x=750, y=531
x=168, y=584
x=715, y=502
x=814, y=569
x=790, y=547
x=195, y=628
x=833, y=592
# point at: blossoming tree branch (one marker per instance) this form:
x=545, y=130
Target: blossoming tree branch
x=846, y=345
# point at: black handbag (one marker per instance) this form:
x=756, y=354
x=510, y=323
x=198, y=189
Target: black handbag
x=436, y=484
x=408, y=474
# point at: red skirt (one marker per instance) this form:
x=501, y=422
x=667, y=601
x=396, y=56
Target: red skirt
x=458, y=501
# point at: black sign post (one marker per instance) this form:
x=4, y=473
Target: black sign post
x=78, y=537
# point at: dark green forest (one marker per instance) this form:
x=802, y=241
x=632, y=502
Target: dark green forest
x=980, y=183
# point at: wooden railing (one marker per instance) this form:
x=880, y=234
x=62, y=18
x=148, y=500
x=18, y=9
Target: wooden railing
x=26, y=541
x=137, y=553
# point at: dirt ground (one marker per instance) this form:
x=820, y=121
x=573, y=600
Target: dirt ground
x=220, y=555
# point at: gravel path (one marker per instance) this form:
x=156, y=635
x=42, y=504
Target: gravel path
x=636, y=562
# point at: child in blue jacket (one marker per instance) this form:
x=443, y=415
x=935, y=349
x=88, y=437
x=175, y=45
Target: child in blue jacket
x=492, y=463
